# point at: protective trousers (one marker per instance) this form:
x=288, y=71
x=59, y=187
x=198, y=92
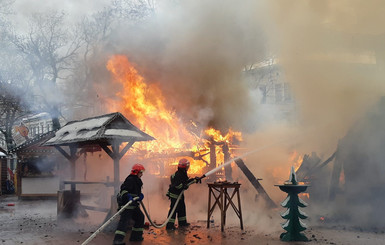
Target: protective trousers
x=137, y=230
x=180, y=211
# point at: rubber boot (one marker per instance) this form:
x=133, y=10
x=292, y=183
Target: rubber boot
x=184, y=224
x=136, y=236
x=118, y=240
x=170, y=226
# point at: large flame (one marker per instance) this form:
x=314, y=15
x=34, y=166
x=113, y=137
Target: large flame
x=146, y=107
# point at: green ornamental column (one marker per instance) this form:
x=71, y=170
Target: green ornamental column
x=293, y=226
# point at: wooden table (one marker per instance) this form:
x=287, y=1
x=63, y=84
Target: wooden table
x=223, y=199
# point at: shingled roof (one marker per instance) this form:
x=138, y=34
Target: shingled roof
x=101, y=129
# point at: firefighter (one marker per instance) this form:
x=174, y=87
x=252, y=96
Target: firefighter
x=179, y=181
x=131, y=188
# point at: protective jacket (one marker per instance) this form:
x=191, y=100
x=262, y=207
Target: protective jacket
x=179, y=182
x=132, y=186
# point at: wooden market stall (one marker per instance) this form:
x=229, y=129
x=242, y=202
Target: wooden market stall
x=110, y=132
x=37, y=166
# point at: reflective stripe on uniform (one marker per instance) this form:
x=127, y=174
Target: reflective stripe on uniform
x=122, y=192
x=182, y=218
x=172, y=195
x=120, y=233
x=171, y=221
x=179, y=186
x=137, y=229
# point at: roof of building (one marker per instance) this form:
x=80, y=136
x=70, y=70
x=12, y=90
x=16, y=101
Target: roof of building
x=101, y=129
x=32, y=147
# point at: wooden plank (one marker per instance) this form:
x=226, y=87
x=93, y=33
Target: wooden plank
x=250, y=176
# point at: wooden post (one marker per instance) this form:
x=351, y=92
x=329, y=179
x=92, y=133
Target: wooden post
x=213, y=155
x=335, y=179
x=208, y=209
x=226, y=154
x=73, y=159
x=116, y=157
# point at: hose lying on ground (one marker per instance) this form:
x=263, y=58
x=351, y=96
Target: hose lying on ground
x=108, y=221
x=168, y=218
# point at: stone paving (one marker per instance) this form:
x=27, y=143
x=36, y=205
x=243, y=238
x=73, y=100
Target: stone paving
x=35, y=222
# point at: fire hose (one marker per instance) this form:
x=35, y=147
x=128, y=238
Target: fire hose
x=108, y=221
x=145, y=211
x=173, y=210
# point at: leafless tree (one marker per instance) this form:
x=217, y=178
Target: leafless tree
x=14, y=92
x=51, y=49
x=97, y=32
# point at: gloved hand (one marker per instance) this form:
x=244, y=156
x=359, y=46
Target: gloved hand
x=198, y=180
x=141, y=196
x=123, y=199
x=127, y=197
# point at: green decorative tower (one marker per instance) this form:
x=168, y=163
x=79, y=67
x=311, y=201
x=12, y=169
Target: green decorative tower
x=293, y=226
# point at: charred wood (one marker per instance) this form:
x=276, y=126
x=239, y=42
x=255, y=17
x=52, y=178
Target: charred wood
x=250, y=176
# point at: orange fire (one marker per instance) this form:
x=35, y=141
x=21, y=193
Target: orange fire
x=220, y=140
x=146, y=107
x=296, y=160
x=304, y=195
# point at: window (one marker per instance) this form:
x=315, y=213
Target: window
x=278, y=92
x=286, y=92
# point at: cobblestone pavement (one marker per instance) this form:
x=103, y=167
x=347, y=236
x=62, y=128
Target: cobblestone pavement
x=35, y=222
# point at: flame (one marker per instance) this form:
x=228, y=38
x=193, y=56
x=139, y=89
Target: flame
x=296, y=160
x=146, y=107
x=304, y=195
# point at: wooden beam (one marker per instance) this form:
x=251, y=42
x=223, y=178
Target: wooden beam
x=250, y=176
x=63, y=152
x=125, y=149
x=107, y=150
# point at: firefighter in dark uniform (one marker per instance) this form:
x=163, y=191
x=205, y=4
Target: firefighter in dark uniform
x=179, y=181
x=131, y=188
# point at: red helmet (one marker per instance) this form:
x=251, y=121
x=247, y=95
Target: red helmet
x=184, y=163
x=137, y=168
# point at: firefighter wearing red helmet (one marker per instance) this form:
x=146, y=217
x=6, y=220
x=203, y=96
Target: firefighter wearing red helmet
x=179, y=181
x=131, y=188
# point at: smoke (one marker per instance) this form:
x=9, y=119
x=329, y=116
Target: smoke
x=330, y=52
x=77, y=9
x=196, y=50
x=332, y=57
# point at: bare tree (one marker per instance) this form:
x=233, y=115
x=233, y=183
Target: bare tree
x=97, y=32
x=51, y=49
x=14, y=92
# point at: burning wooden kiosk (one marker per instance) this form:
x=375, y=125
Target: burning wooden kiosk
x=109, y=132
